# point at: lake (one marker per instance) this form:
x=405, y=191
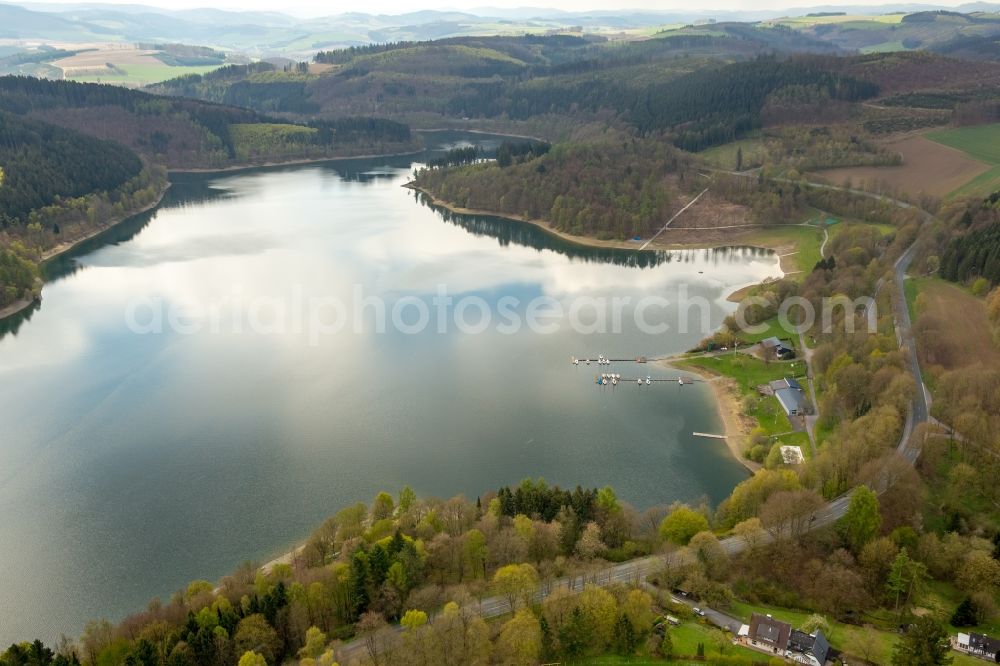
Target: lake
x=205, y=383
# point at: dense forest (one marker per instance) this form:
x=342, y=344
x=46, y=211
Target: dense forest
x=43, y=163
x=704, y=108
x=975, y=251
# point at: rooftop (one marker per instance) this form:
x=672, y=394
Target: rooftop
x=766, y=629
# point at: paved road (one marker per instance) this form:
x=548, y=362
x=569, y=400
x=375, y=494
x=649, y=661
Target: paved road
x=633, y=572
x=919, y=412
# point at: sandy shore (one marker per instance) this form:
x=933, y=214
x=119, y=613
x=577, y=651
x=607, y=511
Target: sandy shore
x=287, y=558
x=727, y=400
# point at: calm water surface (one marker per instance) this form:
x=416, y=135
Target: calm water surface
x=133, y=463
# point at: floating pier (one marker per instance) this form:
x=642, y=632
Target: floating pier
x=615, y=379
x=708, y=434
x=603, y=360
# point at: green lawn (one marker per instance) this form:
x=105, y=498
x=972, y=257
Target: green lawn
x=774, y=329
x=686, y=638
x=749, y=372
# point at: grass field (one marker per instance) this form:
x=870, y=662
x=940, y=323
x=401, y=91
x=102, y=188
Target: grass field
x=803, y=241
x=724, y=156
x=686, y=638
x=773, y=329
x=982, y=143
x=884, y=47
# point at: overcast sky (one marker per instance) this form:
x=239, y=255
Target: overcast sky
x=314, y=8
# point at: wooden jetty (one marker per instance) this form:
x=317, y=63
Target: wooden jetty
x=709, y=435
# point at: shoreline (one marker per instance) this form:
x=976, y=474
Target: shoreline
x=479, y=131
x=728, y=405
x=590, y=242
x=726, y=398
x=66, y=246
x=295, y=162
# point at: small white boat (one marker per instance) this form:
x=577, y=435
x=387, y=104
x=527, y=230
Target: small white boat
x=639, y=382
x=649, y=380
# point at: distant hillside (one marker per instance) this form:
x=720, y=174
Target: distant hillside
x=187, y=133
x=966, y=35
x=424, y=83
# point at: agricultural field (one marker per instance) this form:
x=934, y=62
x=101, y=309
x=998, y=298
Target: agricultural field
x=929, y=165
x=884, y=47
x=121, y=64
x=857, y=21
x=981, y=143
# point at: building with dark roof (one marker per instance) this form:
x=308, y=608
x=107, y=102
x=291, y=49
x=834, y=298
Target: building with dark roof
x=812, y=649
x=790, y=395
x=769, y=634
x=984, y=645
x=778, y=348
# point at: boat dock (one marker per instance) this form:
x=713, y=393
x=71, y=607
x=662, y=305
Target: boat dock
x=603, y=360
x=614, y=379
x=709, y=435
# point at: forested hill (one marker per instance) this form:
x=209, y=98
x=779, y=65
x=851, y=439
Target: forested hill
x=182, y=133
x=43, y=163
x=570, y=186
x=488, y=77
